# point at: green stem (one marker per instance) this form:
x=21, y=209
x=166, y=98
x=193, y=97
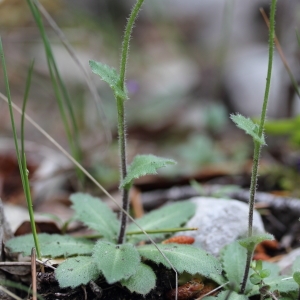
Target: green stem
x=126, y=40
x=121, y=116
x=254, y=175
x=169, y=230
x=257, y=146
x=21, y=159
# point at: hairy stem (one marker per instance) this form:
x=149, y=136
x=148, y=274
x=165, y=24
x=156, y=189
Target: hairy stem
x=257, y=146
x=246, y=273
x=121, y=116
x=126, y=41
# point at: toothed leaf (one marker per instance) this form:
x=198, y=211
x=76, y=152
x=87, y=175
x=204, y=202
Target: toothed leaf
x=110, y=76
x=224, y=295
x=76, y=271
x=95, y=214
x=116, y=262
x=183, y=258
x=234, y=264
x=250, y=242
x=169, y=216
x=142, y=282
x=248, y=126
x=53, y=245
x=296, y=277
x=144, y=165
x=296, y=265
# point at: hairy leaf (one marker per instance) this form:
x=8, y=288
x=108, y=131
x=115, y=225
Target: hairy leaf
x=53, y=245
x=144, y=165
x=233, y=258
x=296, y=270
x=116, y=262
x=274, y=280
x=183, y=258
x=296, y=277
x=277, y=283
x=296, y=265
x=224, y=296
x=255, y=278
x=258, y=265
x=248, y=126
x=76, y=271
x=169, y=216
x=110, y=76
x=265, y=273
x=272, y=267
x=250, y=242
x=95, y=214
x=142, y=282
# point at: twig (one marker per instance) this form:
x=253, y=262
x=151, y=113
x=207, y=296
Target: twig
x=14, y=263
x=45, y=264
x=33, y=273
x=212, y=291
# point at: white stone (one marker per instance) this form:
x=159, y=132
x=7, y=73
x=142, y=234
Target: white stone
x=220, y=222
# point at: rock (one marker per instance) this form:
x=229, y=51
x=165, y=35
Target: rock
x=220, y=222
x=5, y=231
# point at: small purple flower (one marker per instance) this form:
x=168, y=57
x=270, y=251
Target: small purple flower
x=132, y=86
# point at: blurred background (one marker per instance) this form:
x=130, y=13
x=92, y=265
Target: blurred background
x=192, y=63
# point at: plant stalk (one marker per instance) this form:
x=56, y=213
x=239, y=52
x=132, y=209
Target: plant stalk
x=61, y=94
x=257, y=146
x=121, y=116
x=21, y=157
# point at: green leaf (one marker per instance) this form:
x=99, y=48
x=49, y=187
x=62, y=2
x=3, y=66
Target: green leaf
x=183, y=258
x=116, y=262
x=76, y=271
x=142, y=282
x=168, y=216
x=277, y=283
x=95, y=214
x=248, y=126
x=258, y=265
x=272, y=267
x=265, y=273
x=144, y=165
x=255, y=279
x=224, y=296
x=110, y=76
x=250, y=242
x=296, y=265
x=234, y=264
x=296, y=277
x=53, y=245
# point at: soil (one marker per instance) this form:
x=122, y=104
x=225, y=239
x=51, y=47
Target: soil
x=48, y=288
